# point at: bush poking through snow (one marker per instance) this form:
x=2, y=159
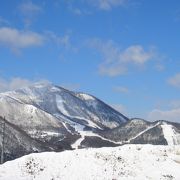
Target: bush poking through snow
x=33, y=167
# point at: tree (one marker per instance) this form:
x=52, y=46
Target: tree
x=2, y=142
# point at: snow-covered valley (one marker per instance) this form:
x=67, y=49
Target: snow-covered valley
x=125, y=162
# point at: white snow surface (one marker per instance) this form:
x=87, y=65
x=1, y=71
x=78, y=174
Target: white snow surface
x=128, y=162
x=86, y=96
x=170, y=134
x=60, y=104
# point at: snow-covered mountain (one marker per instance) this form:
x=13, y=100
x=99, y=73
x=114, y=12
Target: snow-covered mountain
x=18, y=142
x=55, y=117
x=45, y=117
x=128, y=162
x=139, y=131
x=69, y=107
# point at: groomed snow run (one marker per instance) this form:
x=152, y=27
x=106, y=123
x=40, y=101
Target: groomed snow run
x=169, y=134
x=128, y=162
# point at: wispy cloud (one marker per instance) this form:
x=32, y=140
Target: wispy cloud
x=174, y=103
x=79, y=11
x=107, y=4
x=112, y=70
x=4, y=21
x=169, y=115
x=63, y=40
x=16, y=39
x=29, y=12
x=121, y=89
x=90, y=5
x=175, y=80
x=71, y=86
x=116, y=61
x=159, y=67
x=120, y=108
x=136, y=54
x=167, y=110
x=16, y=83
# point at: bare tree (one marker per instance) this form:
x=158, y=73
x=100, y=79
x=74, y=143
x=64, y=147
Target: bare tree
x=2, y=142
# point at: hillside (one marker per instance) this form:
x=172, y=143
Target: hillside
x=45, y=117
x=118, y=163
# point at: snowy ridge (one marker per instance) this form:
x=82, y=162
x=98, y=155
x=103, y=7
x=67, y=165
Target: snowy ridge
x=142, y=132
x=86, y=96
x=128, y=162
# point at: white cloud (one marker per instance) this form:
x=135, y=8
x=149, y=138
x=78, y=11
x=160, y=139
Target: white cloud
x=111, y=70
x=116, y=61
x=29, y=11
x=121, y=89
x=71, y=86
x=169, y=115
x=3, y=21
x=120, y=108
x=136, y=54
x=77, y=11
x=59, y=40
x=160, y=67
x=63, y=41
x=80, y=12
x=16, y=39
x=174, y=103
x=89, y=5
x=29, y=8
x=107, y=4
x=16, y=83
x=175, y=80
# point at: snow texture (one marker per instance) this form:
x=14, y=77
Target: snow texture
x=50, y=99
x=126, y=162
x=170, y=135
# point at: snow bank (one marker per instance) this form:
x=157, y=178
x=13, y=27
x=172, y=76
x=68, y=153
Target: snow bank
x=124, y=162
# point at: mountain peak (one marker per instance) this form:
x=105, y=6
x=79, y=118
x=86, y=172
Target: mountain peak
x=80, y=108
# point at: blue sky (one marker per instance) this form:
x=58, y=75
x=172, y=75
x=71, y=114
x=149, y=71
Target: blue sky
x=125, y=52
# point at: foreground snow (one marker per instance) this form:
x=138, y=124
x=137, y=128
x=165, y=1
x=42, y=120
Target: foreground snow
x=123, y=162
